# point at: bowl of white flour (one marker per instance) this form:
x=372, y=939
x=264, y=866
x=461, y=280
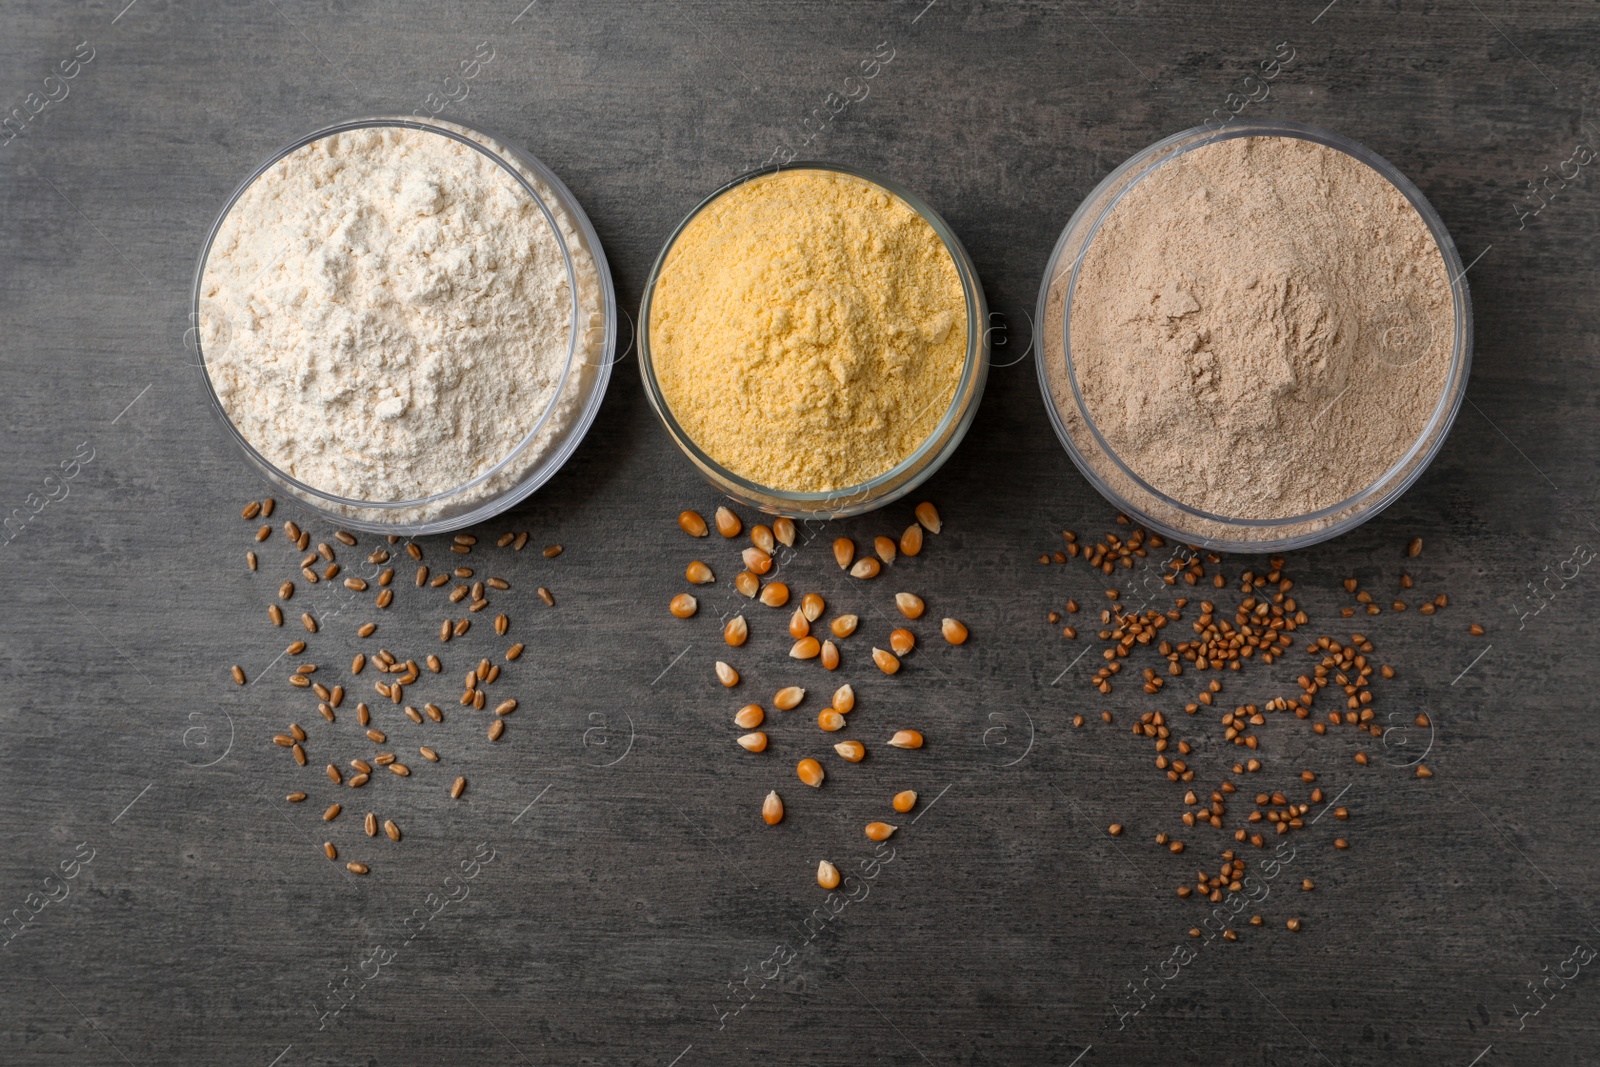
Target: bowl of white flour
x=405, y=325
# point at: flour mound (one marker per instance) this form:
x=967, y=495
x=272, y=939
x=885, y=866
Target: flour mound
x=1262, y=327
x=385, y=314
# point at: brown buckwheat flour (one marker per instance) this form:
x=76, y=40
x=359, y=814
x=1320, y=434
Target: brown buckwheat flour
x=1261, y=327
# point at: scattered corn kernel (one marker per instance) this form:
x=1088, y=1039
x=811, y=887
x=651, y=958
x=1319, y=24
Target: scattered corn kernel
x=928, y=515
x=788, y=698
x=830, y=720
x=905, y=800
x=886, y=661
x=844, y=550
x=827, y=875
x=692, y=524
x=954, y=631
x=880, y=831
x=753, y=742
x=906, y=739
x=772, y=809
x=853, y=751
x=728, y=524
x=683, y=605
x=910, y=605
x=911, y=540
x=810, y=772
x=812, y=606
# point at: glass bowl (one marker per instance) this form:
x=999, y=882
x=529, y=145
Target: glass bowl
x=1108, y=473
x=909, y=472
x=547, y=445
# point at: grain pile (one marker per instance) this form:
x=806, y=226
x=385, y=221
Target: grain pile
x=1225, y=641
x=412, y=687
x=800, y=631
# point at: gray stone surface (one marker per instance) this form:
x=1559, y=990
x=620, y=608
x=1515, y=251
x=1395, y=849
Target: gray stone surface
x=634, y=900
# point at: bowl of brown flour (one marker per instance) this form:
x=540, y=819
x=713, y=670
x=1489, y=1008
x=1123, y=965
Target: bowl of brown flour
x=1254, y=338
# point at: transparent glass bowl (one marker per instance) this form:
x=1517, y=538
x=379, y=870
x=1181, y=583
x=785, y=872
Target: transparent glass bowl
x=544, y=449
x=1108, y=473
x=904, y=476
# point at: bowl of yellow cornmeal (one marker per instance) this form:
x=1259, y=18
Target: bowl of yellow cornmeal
x=812, y=337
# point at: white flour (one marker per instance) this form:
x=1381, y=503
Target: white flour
x=386, y=314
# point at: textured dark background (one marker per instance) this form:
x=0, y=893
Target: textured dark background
x=635, y=906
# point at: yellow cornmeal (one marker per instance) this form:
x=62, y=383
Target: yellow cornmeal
x=808, y=330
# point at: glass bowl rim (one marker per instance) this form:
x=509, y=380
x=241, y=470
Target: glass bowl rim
x=974, y=364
